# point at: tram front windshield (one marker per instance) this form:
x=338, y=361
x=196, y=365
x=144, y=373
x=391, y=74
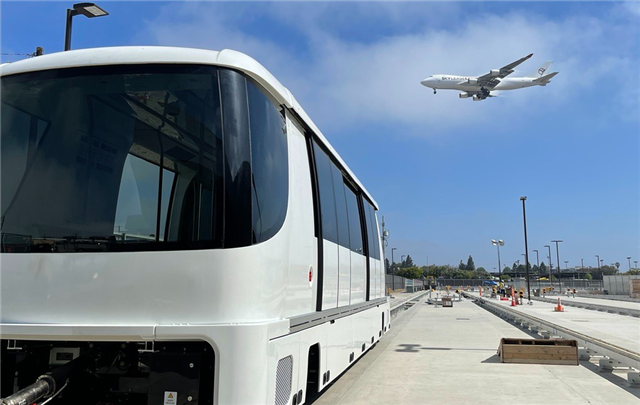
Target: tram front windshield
x=124, y=158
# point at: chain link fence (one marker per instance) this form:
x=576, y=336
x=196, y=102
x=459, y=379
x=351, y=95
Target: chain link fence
x=594, y=286
x=397, y=283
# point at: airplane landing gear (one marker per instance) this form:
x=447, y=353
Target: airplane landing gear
x=434, y=91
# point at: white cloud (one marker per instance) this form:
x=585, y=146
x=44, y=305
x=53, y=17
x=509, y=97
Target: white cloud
x=341, y=81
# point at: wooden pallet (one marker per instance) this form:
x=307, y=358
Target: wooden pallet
x=539, y=351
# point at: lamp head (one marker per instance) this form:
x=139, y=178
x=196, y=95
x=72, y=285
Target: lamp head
x=523, y=198
x=89, y=10
x=501, y=242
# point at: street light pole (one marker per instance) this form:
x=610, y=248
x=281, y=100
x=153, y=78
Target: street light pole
x=629, y=258
x=393, y=271
x=498, y=243
x=558, y=259
x=598, y=257
x=526, y=248
x=88, y=10
x=550, y=265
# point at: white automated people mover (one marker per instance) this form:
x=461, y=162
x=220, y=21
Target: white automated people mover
x=176, y=230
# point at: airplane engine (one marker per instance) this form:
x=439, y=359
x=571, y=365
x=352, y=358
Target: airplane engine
x=464, y=94
x=473, y=81
x=476, y=98
x=495, y=72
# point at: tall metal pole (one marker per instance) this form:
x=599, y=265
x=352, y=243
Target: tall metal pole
x=499, y=271
x=629, y=258
x=550, y=266
x=538, y=264
x=559, y=268
x=67, y=34
x=393, y=271
x=526, y=248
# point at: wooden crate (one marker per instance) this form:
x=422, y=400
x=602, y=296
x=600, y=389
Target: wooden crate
x=539, y=351
x=634, y=288
x=447, y=302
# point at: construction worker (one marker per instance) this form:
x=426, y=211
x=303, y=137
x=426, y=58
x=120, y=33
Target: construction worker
x=574, y=293
x=521, y=296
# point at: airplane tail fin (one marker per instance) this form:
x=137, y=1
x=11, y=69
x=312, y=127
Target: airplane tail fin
x=542, y=81
x=541, y=70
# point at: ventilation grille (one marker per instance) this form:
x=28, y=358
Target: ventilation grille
x=283, y=380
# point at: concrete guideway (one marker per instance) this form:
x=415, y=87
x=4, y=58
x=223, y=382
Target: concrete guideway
x=615, y=343
x=621, y=331
x=448, y=355
x=615, y=307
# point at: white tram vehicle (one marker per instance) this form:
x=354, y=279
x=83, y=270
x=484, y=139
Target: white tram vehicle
x=176, y=230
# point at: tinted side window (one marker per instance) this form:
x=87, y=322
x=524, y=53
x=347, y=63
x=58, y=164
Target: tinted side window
x=355, y=230
x=367, y=216
x=270, y=185
x=327, y=199
x=341, y=207
x=374, y=237
x=237, y=162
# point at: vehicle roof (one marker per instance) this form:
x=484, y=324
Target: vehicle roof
x=173, y=55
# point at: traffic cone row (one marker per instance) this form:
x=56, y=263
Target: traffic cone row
x=559, y=307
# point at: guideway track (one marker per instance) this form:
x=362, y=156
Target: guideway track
x=611, y=308
x=623, y=356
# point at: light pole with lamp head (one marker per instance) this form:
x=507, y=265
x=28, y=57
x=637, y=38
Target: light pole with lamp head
x=498, y=243
x=629, y=258
x=550, y=265
x=538, y=264
x=88, y=10
x=559, y=268
x=393, y=271
x=526, y=248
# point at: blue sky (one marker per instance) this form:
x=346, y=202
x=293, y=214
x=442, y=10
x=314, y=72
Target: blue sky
x=447, y=173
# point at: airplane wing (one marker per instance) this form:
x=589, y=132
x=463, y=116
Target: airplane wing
x=491, y=79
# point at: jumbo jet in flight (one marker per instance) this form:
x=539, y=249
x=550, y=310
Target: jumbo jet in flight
x=487, y=85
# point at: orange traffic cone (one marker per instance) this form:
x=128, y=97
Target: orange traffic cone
x=513, y=301
x=559, y=308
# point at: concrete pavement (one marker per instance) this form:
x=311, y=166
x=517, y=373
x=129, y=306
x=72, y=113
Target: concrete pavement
x=448, y=355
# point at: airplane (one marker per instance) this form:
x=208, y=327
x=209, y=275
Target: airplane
x=488, y=85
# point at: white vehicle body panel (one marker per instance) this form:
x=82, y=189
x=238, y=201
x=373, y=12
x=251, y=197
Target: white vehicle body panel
x=242, y=301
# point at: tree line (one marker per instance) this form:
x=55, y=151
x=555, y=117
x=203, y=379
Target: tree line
x=408, y=269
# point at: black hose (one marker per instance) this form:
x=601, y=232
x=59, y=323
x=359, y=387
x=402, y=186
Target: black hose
x=47, y=384
x=30, y=394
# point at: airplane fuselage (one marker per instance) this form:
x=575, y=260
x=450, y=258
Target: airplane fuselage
x=466, y=83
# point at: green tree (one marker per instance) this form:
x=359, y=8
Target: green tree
x=588, y=276
x=408, y=262
x=470, y=264
x=543, y=269
x=410, y=272
x=481, y=273
x=535, y=269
